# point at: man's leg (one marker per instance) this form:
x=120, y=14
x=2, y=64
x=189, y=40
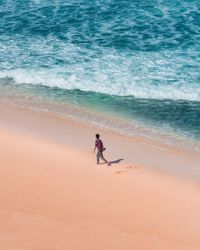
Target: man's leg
x=102, y=157
x=98, y=156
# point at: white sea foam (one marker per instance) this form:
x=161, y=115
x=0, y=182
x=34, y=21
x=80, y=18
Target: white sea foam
x=50, y=62
x=102, y=84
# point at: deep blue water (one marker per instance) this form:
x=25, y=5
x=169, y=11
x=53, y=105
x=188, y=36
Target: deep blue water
x=139, y=60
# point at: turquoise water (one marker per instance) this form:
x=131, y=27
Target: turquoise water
x=136, y=61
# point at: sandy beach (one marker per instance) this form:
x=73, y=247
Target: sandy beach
x=53, y=196
x=127, y=70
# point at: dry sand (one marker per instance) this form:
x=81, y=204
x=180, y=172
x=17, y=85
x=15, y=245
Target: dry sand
x=54, y=197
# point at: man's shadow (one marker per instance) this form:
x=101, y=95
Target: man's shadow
x=115, y=161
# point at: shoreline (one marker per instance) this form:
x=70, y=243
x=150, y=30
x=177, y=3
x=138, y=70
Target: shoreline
x=54, y=196
x=119, y=125
x=184, y=164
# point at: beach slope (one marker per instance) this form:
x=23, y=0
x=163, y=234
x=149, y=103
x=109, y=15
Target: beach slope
x=54, y=196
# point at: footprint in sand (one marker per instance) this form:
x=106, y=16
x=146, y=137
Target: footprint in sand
x=127, y=168
x=120, y=171
x=132, y=167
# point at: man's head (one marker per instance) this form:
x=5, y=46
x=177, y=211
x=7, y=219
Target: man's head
x=97, y=136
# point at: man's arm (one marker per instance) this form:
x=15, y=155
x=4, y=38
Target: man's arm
x=95, y=146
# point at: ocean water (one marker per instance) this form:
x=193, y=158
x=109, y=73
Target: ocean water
x=132, y=66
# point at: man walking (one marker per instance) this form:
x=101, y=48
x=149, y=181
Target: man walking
x=100, y=148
